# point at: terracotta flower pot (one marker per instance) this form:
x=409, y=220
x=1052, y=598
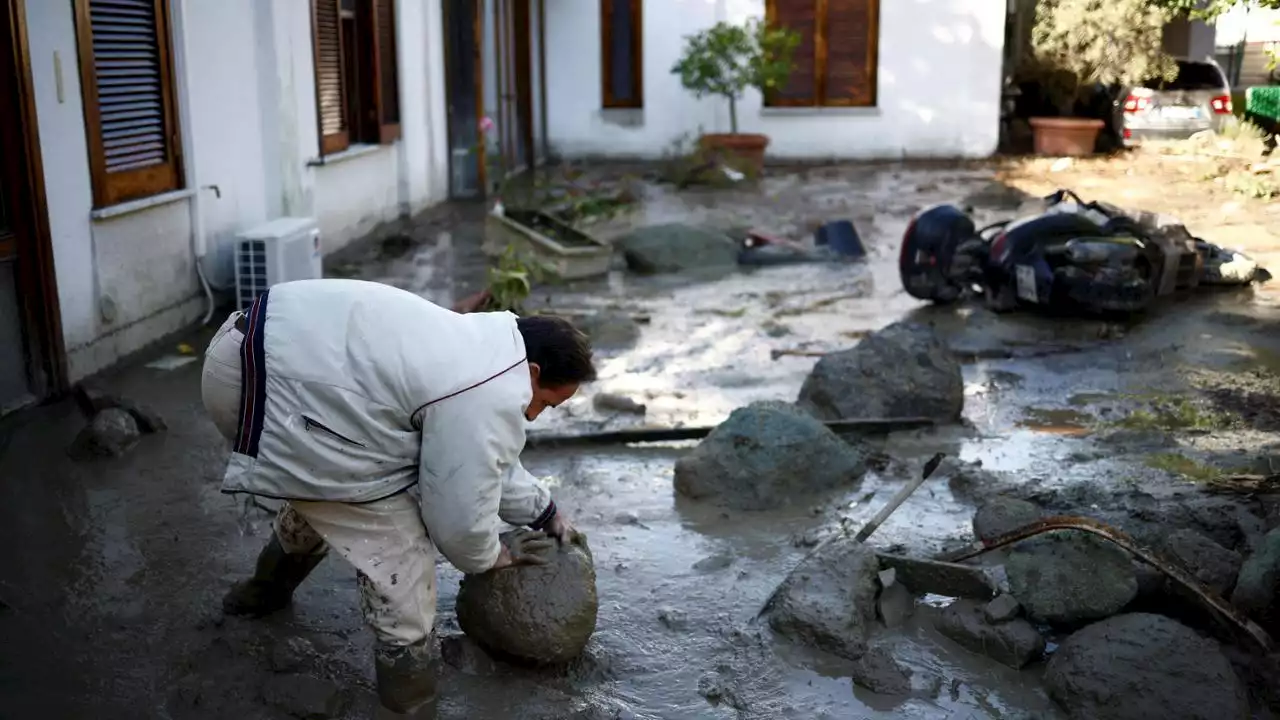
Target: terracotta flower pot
x=743, y=152
x=1064, y=136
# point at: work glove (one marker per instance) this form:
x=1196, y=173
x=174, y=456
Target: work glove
x=527, y=547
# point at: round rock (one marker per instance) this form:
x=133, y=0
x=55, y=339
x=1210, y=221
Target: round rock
x=1002, y=515
x=1066, y=580
x=536, y=614
x=1139, y=666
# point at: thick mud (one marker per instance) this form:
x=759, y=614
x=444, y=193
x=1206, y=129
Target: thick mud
x=111, y=589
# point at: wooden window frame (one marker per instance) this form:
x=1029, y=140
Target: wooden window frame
x=637, y=55
x=119, y=187
x=376, y=121
x=820, y=60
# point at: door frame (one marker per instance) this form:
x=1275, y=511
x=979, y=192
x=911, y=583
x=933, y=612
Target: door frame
x=36, y=276
x=451, y=83
x=513, y=60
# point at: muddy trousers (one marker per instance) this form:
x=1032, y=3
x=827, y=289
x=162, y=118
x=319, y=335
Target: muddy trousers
x=385, y=540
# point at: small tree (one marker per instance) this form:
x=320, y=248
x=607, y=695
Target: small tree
x=727, y=59
x=1079, y=43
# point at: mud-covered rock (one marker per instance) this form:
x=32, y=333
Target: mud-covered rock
x=766, y=455
x=111, y=433
x=92, y=400
x=1001, y=608
x=879, y=672
x=1138, y=666
x=612, y=402
x=1013, y=642
x=1209, y=562
x=303, y=696
x=904, y=370
x=895, y=605
x=676, y=247
x=291, y=653
x=537, y=614
x=1001, y=515
x=829, y=600
x=466, y=656
x=1069, y=579
x=1257, y=590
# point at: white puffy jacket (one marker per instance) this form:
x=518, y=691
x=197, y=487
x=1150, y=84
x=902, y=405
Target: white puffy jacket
x=355, y=391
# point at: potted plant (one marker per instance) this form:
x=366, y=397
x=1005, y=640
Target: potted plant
x=1080, y=45
x=725, y=60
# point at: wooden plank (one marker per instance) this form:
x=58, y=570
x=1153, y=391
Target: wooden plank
x=941, y=578
x=870, y=426
x=801, y=16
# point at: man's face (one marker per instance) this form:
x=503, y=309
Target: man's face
x=544, y=396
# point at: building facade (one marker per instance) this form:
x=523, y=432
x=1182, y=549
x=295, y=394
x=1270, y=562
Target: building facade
x=872, y=78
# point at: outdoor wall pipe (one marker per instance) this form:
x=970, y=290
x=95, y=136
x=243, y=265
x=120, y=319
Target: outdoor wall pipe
x=199, y=240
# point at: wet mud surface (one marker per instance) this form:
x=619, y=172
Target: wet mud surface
x=110, y=591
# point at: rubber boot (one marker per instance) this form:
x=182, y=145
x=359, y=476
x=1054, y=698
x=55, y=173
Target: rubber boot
x=407, y=677
x=274, y=579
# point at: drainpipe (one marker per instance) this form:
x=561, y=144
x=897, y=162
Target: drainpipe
x=199, y=240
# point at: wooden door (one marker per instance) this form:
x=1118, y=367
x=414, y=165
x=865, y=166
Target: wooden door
x=514, y=44
x=31, y=356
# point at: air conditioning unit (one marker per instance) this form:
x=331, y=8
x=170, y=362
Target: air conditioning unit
x=282, y=250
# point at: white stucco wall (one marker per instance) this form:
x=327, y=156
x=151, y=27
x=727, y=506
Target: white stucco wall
x=245, y=88
x=939, y=85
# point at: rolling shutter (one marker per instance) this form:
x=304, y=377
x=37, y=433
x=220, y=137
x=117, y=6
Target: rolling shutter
x=388, y=105
x=849, y=77
x=802, y=17
x=331, y=100
x=130, y=111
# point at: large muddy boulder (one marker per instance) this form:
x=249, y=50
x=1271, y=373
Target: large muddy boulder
x=904, y=370
x=1068, y=579
x=1011, y=641
x=675, y=247
x=1257, y=589
x=829, y=600
x=536, y=614
x=1212, y=564
x=766, y=455
x=1139, y=666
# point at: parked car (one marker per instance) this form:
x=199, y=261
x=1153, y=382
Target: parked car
x=1198, y=99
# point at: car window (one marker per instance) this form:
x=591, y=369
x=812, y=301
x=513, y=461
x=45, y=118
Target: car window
x=1191, y=76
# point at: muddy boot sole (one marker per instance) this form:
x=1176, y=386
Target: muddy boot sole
x=275, y=577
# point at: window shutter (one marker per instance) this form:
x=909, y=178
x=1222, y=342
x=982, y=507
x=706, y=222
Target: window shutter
x=802, y=17
x=130, y=113
x=388, y=93
x=622, y=53
x=331, y=100
x=852, y=31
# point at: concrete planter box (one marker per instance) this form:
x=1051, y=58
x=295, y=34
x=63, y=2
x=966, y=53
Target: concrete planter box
x=569, y=253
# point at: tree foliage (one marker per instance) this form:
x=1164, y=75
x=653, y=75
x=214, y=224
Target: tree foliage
x=1080, y=43
x=1209, y=9
x=727, y=59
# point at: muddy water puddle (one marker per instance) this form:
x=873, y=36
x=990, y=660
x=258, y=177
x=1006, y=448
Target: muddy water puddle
x=681, y=584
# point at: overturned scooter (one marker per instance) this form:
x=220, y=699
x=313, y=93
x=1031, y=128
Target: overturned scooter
x=1075, y=256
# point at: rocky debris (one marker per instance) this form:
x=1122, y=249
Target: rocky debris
x=466, y=656
x=715, y=562
x=112, y=433
x=879, y=672
x=673, y=618
x=766, y=455
x=1002, y=608
x=1138, y=666
x=1139, y=439
x=291, y=653
x=303, y=696
x=1257, y=590
x=1066, y=579
x=675, y=247
x=721, y=689
x=617, y=403
x=829, y=600
x=1213, y=565
x=1002, y=515
x=904, y=370
x=1013, y=642
x=538, y=614
x=970, y=481
x=608, y=329
x=92, y=400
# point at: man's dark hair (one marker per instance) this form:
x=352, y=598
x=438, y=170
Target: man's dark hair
x=561, y=351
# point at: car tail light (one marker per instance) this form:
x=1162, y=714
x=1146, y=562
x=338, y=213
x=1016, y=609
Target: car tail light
x=1221, y=105
x=1136, y=103
x=997, y=247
